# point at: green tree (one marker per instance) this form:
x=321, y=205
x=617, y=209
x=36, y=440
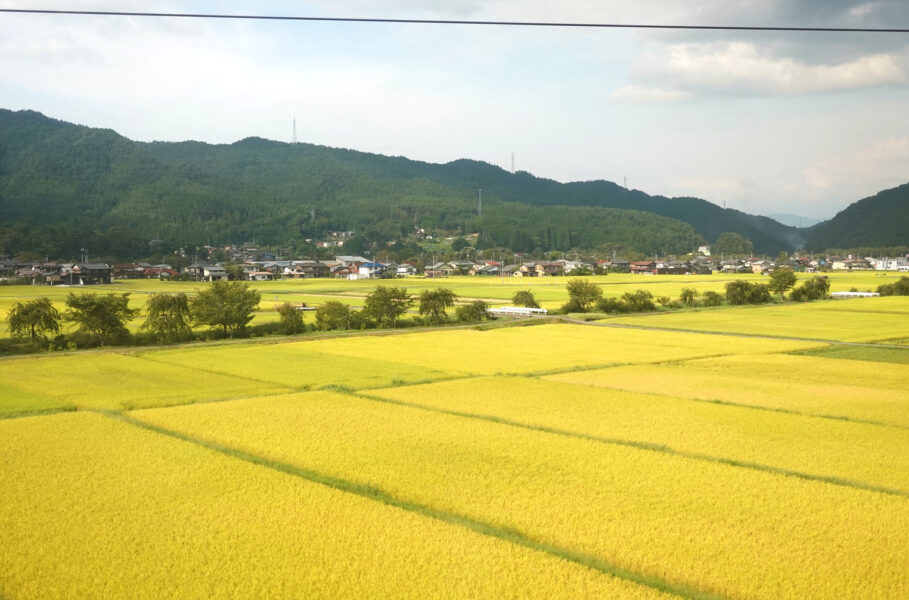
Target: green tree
x=782, y=280
x=688, y=296
x=34, y=319
x=102, y=317
x=898, y=288
x=168, y=317
x=524, y=298
x=759, y=294
x=732, y=244
x=737, y=292
x=475, y=311
x=712, y=298
x=639, y=301
x=816, y=288
x=291, y=320
x=459, y=243
x=333, y=315
x=235, y=272
x=582, y=295
x=385, y=304
x=225, y=304
x=435, y=303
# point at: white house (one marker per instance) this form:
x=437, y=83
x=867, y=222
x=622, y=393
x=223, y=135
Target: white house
x=370, y=270
x=891, y=264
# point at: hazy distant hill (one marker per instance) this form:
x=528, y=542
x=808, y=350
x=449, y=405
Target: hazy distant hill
x=881, y=220
x=794, y=220
x=65, y=186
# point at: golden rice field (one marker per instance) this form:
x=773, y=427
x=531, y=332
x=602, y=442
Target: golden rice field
x=853, y=320
x=547, y=461
x=549, y=291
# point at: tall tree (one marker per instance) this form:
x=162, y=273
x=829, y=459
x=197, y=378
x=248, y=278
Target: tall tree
x=228, y=305
x=782, y=280
x=582, y=295
x=333, y=315
x=102, y=317
x=168, y=317
x=524, y=298
x=34, y=319
x=385, y=304
x=435, y=303
x=291, y=319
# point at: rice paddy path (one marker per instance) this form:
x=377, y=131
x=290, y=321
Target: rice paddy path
x=647, y=446
x=371, y=492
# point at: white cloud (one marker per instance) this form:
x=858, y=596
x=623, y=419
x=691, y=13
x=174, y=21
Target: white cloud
x=741, y=68
x=640, y=93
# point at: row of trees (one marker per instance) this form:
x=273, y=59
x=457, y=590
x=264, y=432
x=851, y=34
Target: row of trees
x=586, y=296
x=226, y=307
x=385, y=306
x=100, y=319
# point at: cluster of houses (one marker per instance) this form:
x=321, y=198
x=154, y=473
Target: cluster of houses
x=810, y=265
x=358, y=267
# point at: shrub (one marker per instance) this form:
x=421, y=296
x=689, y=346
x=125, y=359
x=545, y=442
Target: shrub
x=712, y=298
x=639, y=301
x=475, y=311
x=688, y=296
x=291, y=320
x=525, y=298
x=743, y=292
x=815, y=288
x=898, y=288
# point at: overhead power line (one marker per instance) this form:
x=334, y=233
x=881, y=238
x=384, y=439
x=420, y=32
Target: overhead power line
x=106, y=13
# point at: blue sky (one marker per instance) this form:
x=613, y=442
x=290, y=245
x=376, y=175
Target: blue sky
x=763, y=122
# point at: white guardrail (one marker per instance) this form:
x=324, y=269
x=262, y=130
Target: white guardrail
x=854, y=294
x=517, y=311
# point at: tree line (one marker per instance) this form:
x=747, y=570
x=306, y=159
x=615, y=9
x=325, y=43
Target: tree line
x=225, y=307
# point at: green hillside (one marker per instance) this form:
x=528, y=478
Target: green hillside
x=881, y=220
x=65, y=186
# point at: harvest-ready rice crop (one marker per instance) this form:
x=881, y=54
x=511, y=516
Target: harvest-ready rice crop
x=543, y=348
x=851, y=389
x=111, y=380
x=812, y=447
x=94, y=508
x=298, y=365
x=16, y=401
x=724, y=530
x=853, y=322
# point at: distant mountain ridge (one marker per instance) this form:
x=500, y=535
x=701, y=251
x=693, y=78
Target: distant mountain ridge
x=877, y=221
x=794, y=220
x=77, y=182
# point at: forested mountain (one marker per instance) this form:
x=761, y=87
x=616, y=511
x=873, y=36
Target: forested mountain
x=881, y=220
x=65, y=186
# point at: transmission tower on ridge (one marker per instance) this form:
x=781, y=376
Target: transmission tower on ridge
x=293, y=137
x=512, y=163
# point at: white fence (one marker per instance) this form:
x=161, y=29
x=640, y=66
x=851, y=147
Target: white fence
x=854, y=294
x=517, y=311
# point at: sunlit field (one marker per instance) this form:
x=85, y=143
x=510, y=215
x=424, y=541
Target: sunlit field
x=624, y=458
x=852, y=320
x=549, y=291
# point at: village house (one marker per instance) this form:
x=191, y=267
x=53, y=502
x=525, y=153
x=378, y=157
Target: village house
x=900, y=263
x=85, y=273
x=640, y=267
x=370, y=270
x=406, y=270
